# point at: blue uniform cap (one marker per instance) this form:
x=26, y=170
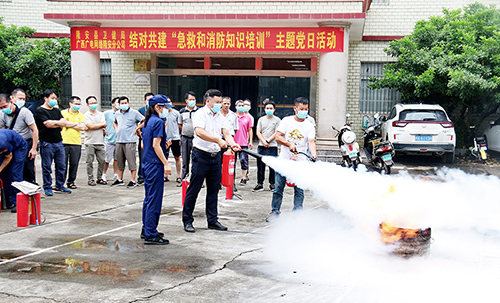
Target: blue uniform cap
x=159, y=99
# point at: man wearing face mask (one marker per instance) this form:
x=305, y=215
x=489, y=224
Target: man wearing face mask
x=126, y=120
x=187, y=131
x=94, y=140
x=72, y=139
x=49, y=121
x=266, y=132
x=294, y=134
x=209, y=128
x=15, y=116
x=110, y=140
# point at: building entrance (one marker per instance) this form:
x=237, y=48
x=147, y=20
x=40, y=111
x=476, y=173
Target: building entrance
x=282, y=90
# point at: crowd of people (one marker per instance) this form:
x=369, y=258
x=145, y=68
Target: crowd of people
x=197, y=136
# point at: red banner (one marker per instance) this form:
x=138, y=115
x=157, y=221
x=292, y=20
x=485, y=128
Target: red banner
x=302, y=39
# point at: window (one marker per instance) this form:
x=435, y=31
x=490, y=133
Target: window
x=106, y=82
x=375, y=100
x=66, y=90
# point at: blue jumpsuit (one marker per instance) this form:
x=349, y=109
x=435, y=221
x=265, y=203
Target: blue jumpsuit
x=153, y=170
x=12, y=143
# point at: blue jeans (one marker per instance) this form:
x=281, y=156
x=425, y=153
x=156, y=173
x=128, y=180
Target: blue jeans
x=53, y=152
x=280, y=183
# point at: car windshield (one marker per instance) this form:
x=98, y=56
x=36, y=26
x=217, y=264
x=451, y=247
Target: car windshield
x=423, y=115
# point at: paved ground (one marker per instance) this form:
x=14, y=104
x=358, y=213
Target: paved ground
x=88, y=250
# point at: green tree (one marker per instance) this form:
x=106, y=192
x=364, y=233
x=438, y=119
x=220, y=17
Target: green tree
x=452, y=60
x=32, y=64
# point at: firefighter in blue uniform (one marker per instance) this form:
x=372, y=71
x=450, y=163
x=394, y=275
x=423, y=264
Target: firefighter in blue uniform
x=13, y=149
x=155, y=166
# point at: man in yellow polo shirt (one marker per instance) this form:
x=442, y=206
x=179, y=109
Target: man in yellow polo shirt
x=72, y=139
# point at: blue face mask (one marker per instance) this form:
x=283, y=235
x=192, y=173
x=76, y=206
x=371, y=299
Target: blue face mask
x=52, y=102
x=269, y=112
x=7, y=111
x=93, y=106
x=302, y=114
x=241, y=109
x=20, y=103
x=191, y=103
x=76, y=107
x=124, y=107
x=217, y=107
x=164, y=114
x=247, y=108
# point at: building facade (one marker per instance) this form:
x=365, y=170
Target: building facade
x=324, y=50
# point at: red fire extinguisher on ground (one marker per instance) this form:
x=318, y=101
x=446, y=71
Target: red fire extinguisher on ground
x=228, y=172
x=295, y=157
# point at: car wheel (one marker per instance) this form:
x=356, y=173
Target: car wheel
x=448, y=158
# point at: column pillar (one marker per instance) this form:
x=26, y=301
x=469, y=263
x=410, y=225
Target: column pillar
x=332, y=89
x=85, y=71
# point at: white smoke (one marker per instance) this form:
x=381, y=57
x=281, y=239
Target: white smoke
x=340, y=247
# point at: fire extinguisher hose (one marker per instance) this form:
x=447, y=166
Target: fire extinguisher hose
x=251, y=153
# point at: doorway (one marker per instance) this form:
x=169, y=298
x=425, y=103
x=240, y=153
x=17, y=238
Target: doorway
x=282, y=90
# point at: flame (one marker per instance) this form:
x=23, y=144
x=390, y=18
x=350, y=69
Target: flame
x=392, y=234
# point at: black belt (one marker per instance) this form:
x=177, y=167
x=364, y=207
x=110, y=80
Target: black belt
x=187, y=137
x=213, y=155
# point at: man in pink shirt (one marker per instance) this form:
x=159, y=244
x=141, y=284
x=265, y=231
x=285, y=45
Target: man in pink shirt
x=243, y=137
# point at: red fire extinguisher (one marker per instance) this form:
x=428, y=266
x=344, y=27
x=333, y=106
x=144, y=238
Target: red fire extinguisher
x=228, y=173
x=295, y=157
x=228, y=168
x=185, y=184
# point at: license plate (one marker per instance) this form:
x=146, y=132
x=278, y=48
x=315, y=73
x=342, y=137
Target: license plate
x=353, y=155
x=484, y=148
x=387, y=157
x=423, y=138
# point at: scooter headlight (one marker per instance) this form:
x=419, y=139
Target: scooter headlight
x=349, y=137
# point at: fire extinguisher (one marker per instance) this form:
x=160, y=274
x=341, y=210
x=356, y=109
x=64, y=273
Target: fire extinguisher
x=295, y=157
x=185, y=184
x=228, y=168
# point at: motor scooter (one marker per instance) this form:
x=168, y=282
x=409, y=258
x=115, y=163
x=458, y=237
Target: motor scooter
x=378, y=152
x=479, y=148
x=349, y=148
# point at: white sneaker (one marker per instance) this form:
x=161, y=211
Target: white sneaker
x=115, y=177
x=104, y=177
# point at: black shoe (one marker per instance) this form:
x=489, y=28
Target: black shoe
x=131, y=184
x=143, y=235
x=140, y=181
x=189, y=227
x=217, y=226
x=118, y=183
x=235, y=189
x=259, y=187
x=156, y=241
x=271, y=187
x=14, y=210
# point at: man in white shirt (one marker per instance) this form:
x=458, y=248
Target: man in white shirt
x=294, y=134
x=94, y=141
x=207, y=144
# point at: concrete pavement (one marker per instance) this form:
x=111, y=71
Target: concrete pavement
x=88, y=249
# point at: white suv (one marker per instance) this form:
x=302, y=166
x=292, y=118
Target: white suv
x=420, y=128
